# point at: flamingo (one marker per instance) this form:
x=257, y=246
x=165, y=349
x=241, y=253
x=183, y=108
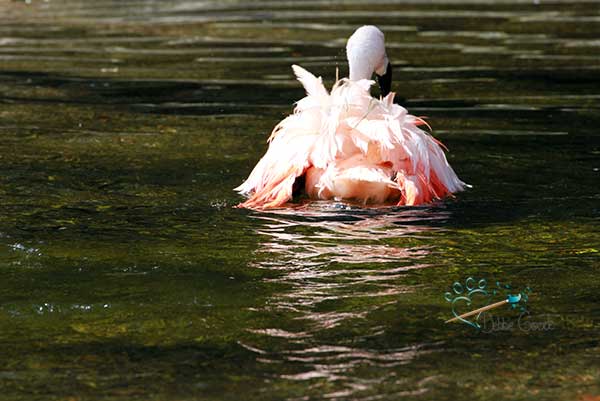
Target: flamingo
x=347, y=145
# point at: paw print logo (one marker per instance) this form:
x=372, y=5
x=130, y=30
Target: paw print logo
x=464, y=295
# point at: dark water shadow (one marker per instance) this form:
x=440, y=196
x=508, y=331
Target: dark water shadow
x=184, y=97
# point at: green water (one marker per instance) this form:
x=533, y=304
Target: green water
x=126, y=274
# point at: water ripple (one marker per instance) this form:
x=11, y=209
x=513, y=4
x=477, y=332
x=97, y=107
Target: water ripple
x=329, y=257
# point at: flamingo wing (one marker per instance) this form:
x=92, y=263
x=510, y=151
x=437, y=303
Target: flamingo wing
x=291, y=143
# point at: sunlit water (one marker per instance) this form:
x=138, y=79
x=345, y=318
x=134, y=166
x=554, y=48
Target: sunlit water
x=127, y=273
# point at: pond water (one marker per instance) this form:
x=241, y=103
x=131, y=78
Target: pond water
x=128, y=275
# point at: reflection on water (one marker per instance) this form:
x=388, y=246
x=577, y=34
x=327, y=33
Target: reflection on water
x=329, y=259
x=322, y=233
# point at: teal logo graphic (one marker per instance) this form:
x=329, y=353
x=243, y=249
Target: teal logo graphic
x=465, y=296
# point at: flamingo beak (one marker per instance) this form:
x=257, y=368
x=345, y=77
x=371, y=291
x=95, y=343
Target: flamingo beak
x=385, y=80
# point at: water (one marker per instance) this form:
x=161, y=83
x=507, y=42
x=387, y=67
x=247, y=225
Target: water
x=127, y=274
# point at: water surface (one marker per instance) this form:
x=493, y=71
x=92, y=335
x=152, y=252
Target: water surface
x=128, y=275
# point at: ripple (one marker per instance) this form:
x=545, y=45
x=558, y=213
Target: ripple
x=312, y=26
x=329, y=257
x=503, y=132
x=279, y=333
x=339, y=364
x=52, y=308
x=17, y=247
x=17, y=57
x=325, y=60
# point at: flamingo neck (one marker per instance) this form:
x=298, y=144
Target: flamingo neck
x=360, y=69
x=365, y=50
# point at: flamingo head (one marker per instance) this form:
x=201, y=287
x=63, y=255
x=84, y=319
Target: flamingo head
x=366, y=54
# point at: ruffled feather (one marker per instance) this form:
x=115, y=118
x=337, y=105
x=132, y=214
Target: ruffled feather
x=348, y=145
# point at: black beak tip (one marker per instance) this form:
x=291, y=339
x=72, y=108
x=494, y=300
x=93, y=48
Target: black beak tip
x=385, y=81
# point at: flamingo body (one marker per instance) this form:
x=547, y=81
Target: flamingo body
x=348, y=145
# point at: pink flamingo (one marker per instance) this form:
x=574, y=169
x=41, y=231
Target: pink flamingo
x=348, y=145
